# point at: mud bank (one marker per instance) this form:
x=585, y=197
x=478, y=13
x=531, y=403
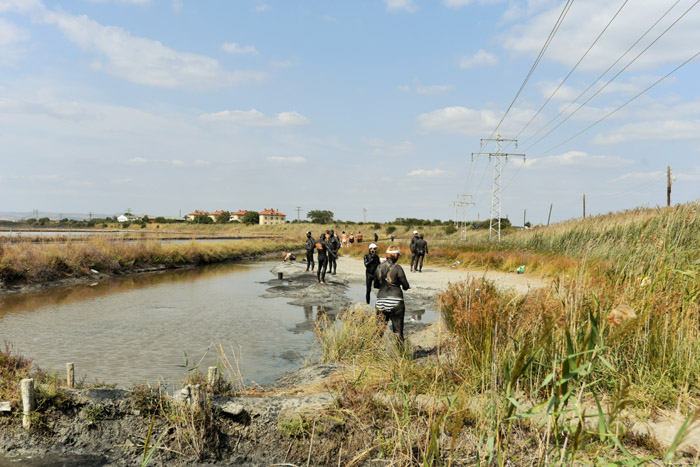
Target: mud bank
x=96, y=276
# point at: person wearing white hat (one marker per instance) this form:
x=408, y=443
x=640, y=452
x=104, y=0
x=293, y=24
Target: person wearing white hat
x=371, y=263
x=390, y=278
x=414, y=257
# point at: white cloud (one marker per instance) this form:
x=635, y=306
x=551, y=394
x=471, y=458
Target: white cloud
x=177, y=6
x=235, y=49
x=287, y=160
x=385, y=149
x=401, y=5
x=256, y=118
x=201, y=163
x=574, y=37
x=137, y=161
x=10, y=33
x=145, y=61
x=666, y=130
x=462, y=120
x=576, y=159
x=427, y=173
x=173, y=162
x=262, y=7
x=479, y=59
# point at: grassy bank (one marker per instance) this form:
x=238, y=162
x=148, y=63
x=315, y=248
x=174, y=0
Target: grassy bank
x=28, y=263
x=553, y=376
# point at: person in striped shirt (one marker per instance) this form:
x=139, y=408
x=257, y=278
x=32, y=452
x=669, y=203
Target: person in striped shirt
x=390, y=279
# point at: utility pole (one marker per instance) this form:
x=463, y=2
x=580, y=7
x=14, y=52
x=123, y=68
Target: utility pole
x=499, y=158
x=364, y=215
x=584, y=205
x=549, y=217
x=462, y=220
x=668, y=186
x=524, y=216
x=298, y=211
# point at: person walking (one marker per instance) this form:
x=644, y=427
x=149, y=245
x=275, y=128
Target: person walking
x=412, y=247
x=390, y=278
x=351, y=239
x=371, y=263
x=421, y=251
x=322, y=250
x=310, y=247
x=359, y=237
x=333, y=247
x=344, y=240
x=376, y=237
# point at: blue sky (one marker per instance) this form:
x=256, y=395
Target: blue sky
x=169, y=106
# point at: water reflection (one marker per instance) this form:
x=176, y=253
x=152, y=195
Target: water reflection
x=141, y=327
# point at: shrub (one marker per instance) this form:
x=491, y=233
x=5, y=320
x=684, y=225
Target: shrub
x=390, y=229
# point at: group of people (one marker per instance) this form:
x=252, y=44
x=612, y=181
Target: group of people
x=326, y=248
x=386, y=275
x=347, y=240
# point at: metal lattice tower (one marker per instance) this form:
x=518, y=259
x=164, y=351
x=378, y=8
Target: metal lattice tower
x=461, y=220
x=499, y=158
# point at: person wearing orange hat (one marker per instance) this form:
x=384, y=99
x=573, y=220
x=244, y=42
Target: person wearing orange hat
x=390, y=279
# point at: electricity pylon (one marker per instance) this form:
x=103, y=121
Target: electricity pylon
x=499, y=158
x=461, y=221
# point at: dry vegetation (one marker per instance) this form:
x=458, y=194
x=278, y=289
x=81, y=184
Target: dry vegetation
x=549, y=377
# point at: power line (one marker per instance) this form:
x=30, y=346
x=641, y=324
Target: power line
x=562, y=15
x=599, y=76
x=623, y=105
x=575, y=67
x=614, y=77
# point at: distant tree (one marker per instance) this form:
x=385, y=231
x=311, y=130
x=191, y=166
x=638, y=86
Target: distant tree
x=251, y=217
x=318, y=216
x=203, y=220
x=390, y=229
x=450, y=229
x=161, y=220
x=224, y=218
x=44, y=220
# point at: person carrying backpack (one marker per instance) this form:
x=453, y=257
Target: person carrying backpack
x=390, y=279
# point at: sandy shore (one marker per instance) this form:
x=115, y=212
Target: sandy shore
x=437, y=278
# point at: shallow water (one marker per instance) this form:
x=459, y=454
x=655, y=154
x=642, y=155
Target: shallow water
x=161, y=325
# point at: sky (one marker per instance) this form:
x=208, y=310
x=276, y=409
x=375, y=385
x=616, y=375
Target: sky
x=164, y=107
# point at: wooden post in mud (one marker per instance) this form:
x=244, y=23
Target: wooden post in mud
x=70, y=375
x=212, y=376
x=28, y=401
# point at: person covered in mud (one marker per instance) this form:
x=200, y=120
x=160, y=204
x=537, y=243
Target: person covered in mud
x=333, y=247
x=288, y=256
x=390, y=279
x=421, y=248
x=376, y=237
x=322, y=251
x=310, y=247
x=412, y=247
x=371, y=263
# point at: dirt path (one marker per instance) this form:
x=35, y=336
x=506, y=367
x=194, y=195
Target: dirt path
x=437, y=278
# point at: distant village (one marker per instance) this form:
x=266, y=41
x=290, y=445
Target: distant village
x=264, y=217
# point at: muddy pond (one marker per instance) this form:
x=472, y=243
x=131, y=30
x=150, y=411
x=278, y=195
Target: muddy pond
x=161, y=325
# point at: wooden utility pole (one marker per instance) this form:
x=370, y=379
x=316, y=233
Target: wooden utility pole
x=584, y=205
x=668, y=186
x=524, y=216
x=549, y=217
